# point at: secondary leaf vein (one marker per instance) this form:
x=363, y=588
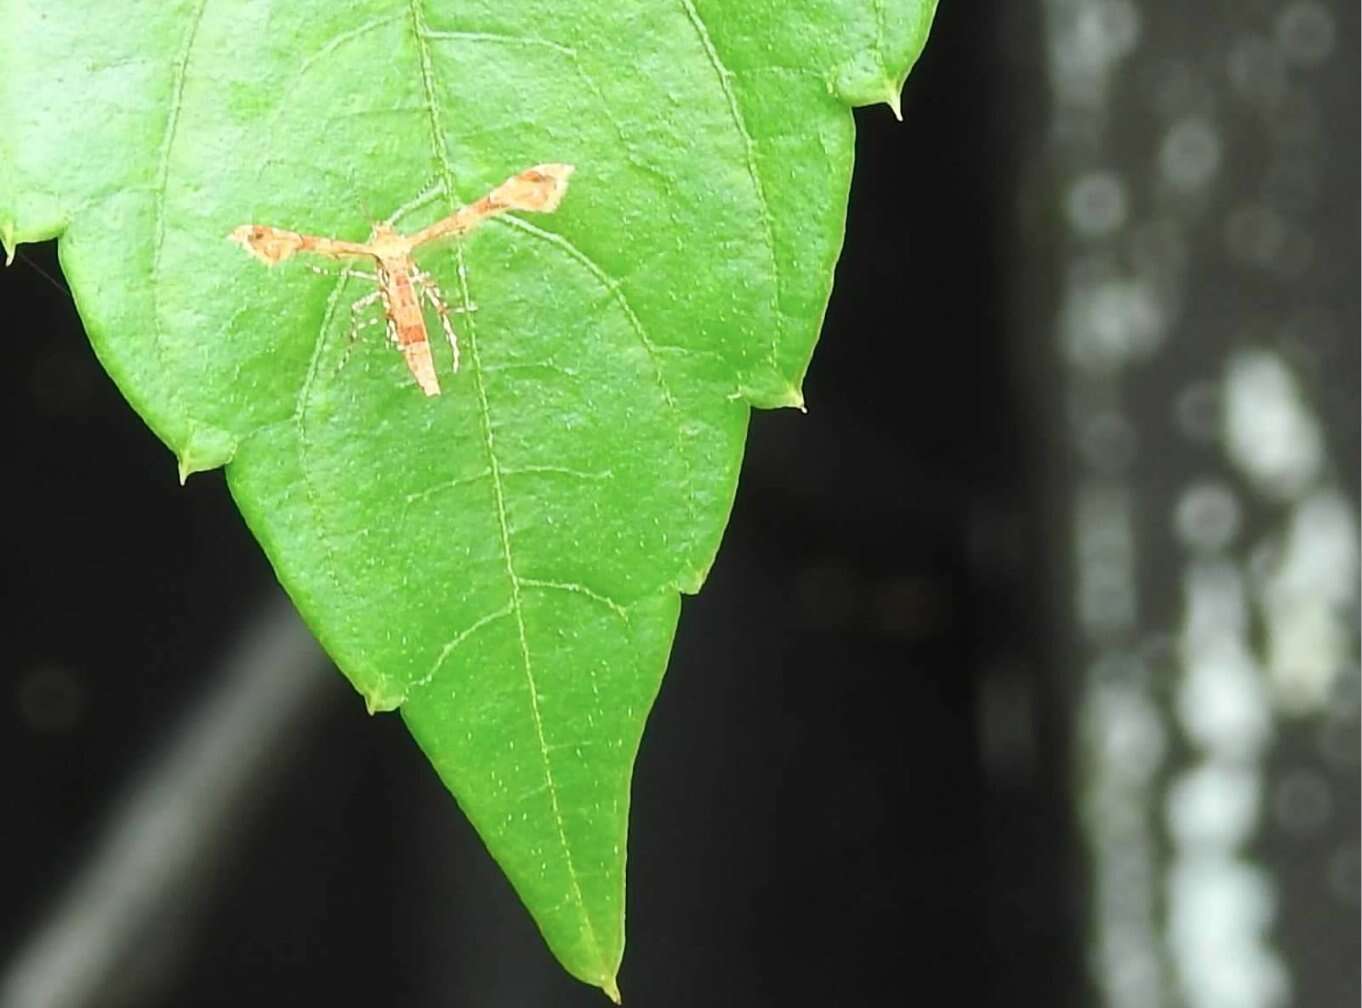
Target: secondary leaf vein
x=615, y=291
x=181, y=71
x=339, y=40
x=574, y=588
x=459, y=638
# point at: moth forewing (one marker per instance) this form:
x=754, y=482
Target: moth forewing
x=535, y=190
x=273, y=245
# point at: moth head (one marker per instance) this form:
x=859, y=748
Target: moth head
x=385, y=240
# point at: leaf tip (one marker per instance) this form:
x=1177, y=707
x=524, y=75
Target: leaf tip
x=793, y=396
x=690, y=582
x=381, y=704
x=611, y=989
x=7, y=242
x=895, y=102
x=774, y=396
x=865, y=80
x=382, y=698
x=206, y=448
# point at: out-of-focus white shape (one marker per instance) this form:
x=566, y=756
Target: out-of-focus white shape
x=1190, y=154
x=1124, y=745
x=1305, y=33
x=1309, y=599
x=1219, y=908
x=1219, y=912
x=1106, y=549
x=1131, y=972
x=1087, y=39
x=1126, y=731
x=1112, y=322
x=1215, y=607
x=1320, y=552
x=1207, y=516
x=1269, y=432
x=1096, y=204
x=1214, y=805
x=1221, y=700
x=1109, y=27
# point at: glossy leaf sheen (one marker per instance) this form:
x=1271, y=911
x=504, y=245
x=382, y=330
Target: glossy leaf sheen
x=502, y=563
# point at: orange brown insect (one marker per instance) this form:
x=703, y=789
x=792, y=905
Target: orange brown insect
x=401, y=283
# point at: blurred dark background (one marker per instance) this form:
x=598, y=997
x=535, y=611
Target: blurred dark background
x=871, y=775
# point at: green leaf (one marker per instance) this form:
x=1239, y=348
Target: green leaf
x=502, y=563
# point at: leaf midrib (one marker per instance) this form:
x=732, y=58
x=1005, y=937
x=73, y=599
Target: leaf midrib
x=441, y=156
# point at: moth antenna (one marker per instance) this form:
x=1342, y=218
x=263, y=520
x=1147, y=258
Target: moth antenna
x=427, y=195
x=368, y=212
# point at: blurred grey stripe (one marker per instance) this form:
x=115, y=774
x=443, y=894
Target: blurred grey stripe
x=111, y=936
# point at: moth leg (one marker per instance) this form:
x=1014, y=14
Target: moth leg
x=356, y=323
x=432, y=294
x=360, y=304
x=351, y=274
x=427, y=282
x=389, y=325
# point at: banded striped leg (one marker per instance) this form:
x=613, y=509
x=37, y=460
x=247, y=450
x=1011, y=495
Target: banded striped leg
x=432, y=293
x=349, y=274
x=352, y=335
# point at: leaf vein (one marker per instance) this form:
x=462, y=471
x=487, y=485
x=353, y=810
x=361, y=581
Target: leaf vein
x=420, y=32
x=574, y=588
x=555, y=470
x=459, y=638
x=449, y=484
x=335, y=43
x=180, y=73
x=750, y=153
x=614, y=290
x=300, y=425
x=437, y=35
x=572, y=55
